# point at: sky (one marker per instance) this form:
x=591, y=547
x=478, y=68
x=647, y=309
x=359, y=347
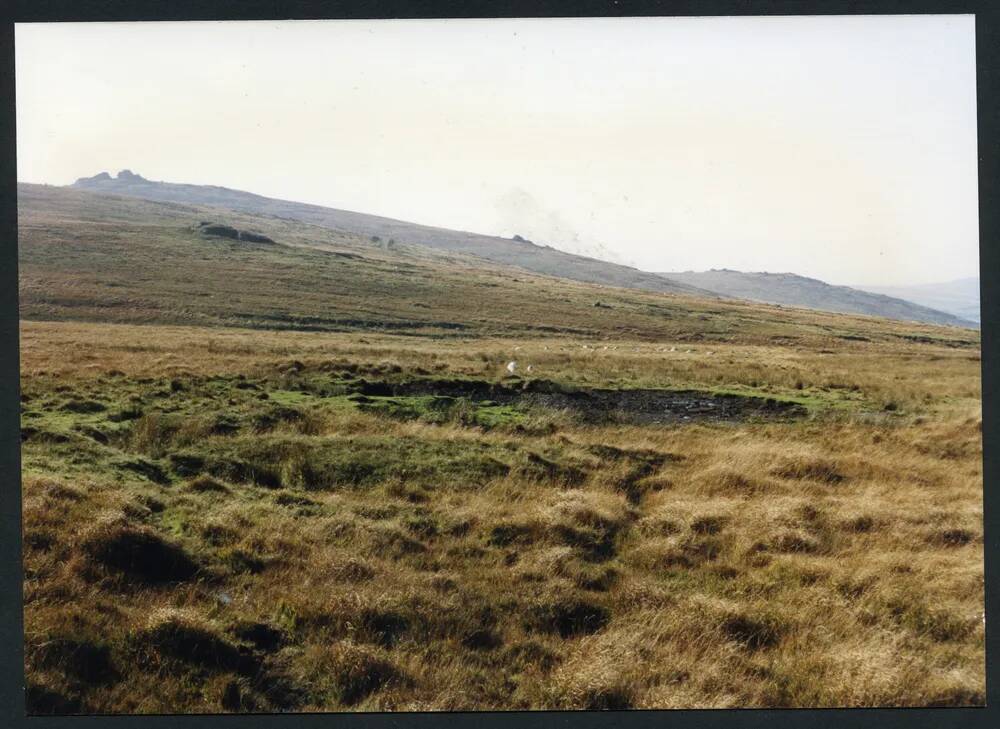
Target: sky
x=842, y=148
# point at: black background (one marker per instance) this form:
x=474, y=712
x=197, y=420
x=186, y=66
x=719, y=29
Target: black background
x=11, y=635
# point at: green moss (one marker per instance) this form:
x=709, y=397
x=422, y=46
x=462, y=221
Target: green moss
x=291, y=397
x=443, y=409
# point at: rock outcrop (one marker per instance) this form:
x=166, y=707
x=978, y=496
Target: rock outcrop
x=99, y=177
x=130, y=176
x=227, y=231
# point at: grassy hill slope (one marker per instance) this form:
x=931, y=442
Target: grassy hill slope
x=520, y=253
x=792, y=290
x=105, y=258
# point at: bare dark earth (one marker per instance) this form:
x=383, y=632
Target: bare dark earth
x=635, y=406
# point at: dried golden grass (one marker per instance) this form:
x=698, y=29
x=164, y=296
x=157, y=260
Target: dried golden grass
x=835, y=562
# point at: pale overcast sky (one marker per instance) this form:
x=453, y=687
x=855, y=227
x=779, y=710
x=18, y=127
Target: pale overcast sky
x=840, y=148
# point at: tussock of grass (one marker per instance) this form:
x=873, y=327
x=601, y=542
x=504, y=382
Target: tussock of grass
x=753, y=632
x=861, y=524
x=796, y=542
x=357, y=672
x=61, y=491
x=939, y=624
x=260, y=635
x=537, y=467
x=207, y=484
x=721, y=481
x=138, y=552
x=709, y=524
x=40, y=701
x=568, y=617
x=951, y=537
x=353, y=570
x=174, y=634
x=83, y=660
x=821, y=470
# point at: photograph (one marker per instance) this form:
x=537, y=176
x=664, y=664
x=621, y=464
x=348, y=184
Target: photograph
x=500, y=364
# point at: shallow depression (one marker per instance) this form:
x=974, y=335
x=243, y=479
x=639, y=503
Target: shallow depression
x=635, y=406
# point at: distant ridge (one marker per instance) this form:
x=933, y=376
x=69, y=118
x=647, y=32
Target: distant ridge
x=959, y=297
x=789, y=289
x=511, y=252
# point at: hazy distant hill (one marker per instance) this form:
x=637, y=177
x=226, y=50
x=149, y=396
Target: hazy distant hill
x=511, y=252
x=960, y=297
x=791, y=290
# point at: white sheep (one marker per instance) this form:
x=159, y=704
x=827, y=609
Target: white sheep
x=511, y=366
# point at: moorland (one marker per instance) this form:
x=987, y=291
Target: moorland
x=303, y=475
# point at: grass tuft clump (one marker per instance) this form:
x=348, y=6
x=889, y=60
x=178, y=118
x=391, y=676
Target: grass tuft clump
x=206, y=484
x=138, y=552
x=568, y=617
x=709, y=525
x=82, y=659
x=179, y=635
x=955, y=537
x=357, y=672
x=753, y=631
x=811, y=469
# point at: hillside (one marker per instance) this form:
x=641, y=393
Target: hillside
x=510, y=252
x=960, y=297
x=788, y=289
x=94, y=257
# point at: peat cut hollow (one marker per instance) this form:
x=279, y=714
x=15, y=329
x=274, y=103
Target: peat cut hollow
x=598, y=405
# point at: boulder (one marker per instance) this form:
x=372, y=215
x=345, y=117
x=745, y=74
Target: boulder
x=228, y=231
x=130, y=176
x=99, y=177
